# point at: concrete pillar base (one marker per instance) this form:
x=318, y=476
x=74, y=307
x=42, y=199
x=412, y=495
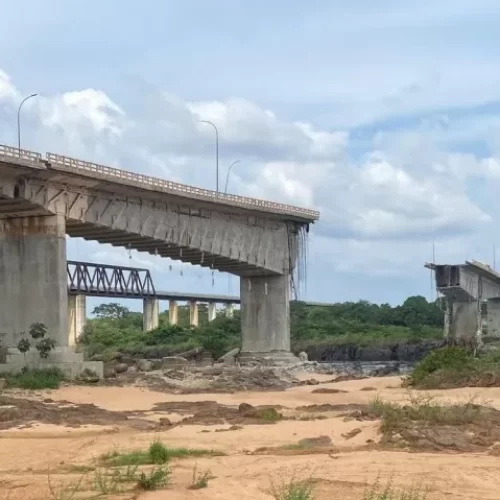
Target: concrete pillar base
x=33, y=277
x=150, y=314
x=268, y=358
x=265, y=315
x=173, y=312
x=77, y=317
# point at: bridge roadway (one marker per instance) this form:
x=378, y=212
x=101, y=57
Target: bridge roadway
x=43, y=199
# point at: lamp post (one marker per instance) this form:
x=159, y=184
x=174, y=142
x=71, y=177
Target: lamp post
x=216, y=153
x=229, y=171
x=19, y=121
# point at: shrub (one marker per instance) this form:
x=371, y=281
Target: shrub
x=454, y=359
x=155, y=479
x=46, y=378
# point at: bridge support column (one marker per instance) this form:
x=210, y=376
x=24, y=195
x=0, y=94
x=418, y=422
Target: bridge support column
x=77, y=317
x=229, y=310
x=173, y=312
x=193, y=313
x=150, y=314
x=212, y=311
x=33, y=277
x=265, y=317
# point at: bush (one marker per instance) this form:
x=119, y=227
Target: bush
x=155, y=479
x=450, y=359
x=46, y=378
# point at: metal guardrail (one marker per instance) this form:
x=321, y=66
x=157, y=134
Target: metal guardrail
x=174, y=187
x=66, y=163
x=10, y=153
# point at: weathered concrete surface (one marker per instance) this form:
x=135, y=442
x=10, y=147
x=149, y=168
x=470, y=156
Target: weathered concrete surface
x=464, y=320
x=173, y=312
x=33, y=276
x=77, y=317
x=150, y=314
x=229, y=310
x=493, y=318
x=193, y=313
x=265, y=315
x=212, y=311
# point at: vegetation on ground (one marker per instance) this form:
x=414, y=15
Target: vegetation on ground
x=116, y=328
x=200, y=479
x=453, y=366
x=34, y=379
x=156, y=454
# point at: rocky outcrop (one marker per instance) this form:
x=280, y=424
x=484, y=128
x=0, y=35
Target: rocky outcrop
x=400, y=351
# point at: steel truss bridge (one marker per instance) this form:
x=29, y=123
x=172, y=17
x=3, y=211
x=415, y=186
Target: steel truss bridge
x=104, y=280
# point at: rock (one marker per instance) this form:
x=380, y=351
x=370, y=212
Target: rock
x=351, y=434
x=267, y=413
x=144, y=365
x=245, y=407
x=109, y=371
x=121, y=368
x=3, y=383
x=231, y=354
x=173, y=361
x=311, y=381
x=315, y=442
x=213, y=370
x=132, y=369
x=128, y=360
x=303, y=356
x=324, y=390
x=165, y=422
x=229, y=361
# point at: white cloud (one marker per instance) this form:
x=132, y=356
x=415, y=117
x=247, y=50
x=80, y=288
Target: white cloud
x=405, y=190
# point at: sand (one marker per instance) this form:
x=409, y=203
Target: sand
x=30, y=456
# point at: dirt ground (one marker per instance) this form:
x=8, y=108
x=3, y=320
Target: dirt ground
x=50, y=437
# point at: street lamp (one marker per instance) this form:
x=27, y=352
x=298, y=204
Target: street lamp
x=216, y=153
x=229, y=171
x=19, y=121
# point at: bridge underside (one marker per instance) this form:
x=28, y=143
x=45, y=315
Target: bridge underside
x=41, y=203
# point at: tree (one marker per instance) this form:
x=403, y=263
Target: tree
x=111, y=311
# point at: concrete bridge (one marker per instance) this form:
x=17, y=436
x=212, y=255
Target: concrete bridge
x=43, y=199
x=86, y=279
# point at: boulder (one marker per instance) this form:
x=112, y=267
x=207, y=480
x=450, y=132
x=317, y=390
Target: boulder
x=303, y=356
x=165, y=422
x=144, y=365
x=109, y=371
x=245, y=407
x=3, y=383
x=132, y=369
x=173, y=362
x=121, y=368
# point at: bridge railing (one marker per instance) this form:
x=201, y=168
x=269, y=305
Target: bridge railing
x=15, y=154
x=138, y=180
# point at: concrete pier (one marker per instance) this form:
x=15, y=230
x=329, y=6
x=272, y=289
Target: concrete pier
x=33, y=276
x=212, y=311
x=265, y=317
x=229, y=310
x=193, y=313
x=173, y=312
x=150, y=314
x=77, y=317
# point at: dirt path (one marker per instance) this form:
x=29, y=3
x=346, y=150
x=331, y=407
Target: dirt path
x=27, y=454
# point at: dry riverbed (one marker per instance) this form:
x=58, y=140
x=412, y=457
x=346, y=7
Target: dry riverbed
x=53, y=442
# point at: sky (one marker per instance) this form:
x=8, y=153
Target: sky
x=384, y=116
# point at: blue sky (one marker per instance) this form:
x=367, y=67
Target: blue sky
x=383, y=115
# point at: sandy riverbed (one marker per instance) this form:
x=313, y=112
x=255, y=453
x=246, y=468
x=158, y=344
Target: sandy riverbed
x=27, y=454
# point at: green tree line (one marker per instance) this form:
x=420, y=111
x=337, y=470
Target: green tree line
x=116, y=328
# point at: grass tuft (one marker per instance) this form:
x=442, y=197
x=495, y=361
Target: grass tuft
x=156, y=454
x=154, y=479
x=44, y=378
x=200, y=479
x=293, y=490
x=389, y=492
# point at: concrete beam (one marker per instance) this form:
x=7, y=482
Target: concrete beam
x=212, y=311
x=77, y=317
x=173, y=312
x=193, y=313
x=33, y=276
x=150, y=314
